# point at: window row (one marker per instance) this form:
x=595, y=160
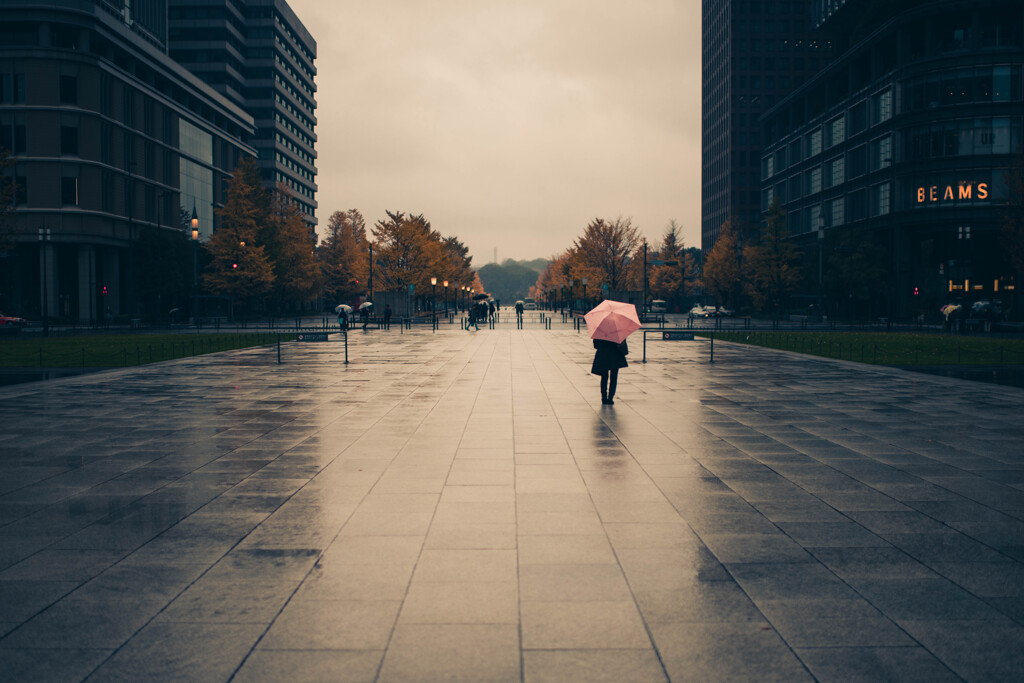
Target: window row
x=865, y=203
x=966, y=137
x=869, y=112
x=963, y=86
x=872, y=156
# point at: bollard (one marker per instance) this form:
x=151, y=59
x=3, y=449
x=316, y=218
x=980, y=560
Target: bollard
x=712, y=348
x=346, y=347
x=279, y=349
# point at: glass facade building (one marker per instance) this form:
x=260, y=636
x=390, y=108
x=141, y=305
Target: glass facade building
x=106, y=133
x=898, y=155
x=258, y=54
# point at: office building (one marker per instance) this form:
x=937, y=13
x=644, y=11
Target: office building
x=111, y=141
x=754, y=53
x=258, y=54
x=892, y=164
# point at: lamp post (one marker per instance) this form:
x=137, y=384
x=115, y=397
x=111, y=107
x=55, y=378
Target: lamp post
x=195, y=264
x=584, y=281
x=446, y=298
x=433, y=299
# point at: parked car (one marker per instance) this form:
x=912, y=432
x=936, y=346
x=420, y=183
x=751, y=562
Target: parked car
x=698, y=311
x=529, y=304
x=10, y=323
x=724, y=312
x=659, y=306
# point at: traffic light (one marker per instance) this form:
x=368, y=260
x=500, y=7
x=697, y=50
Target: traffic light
x=105, y=289
x=917, y=292
x=235, y=266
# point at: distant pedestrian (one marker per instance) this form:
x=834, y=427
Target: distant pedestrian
x=490, y=310
x=471, y=319
x=364, y=316
x=608, y=358
x=387, y=317
x=343, y=320
x=519, y=314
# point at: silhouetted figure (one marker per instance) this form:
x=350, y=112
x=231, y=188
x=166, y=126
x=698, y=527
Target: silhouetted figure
x=608, y=358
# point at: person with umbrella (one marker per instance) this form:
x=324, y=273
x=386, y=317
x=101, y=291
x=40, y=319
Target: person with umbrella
x=609, y=323
x=343, y=310
x=364, y=313
x=387, y=316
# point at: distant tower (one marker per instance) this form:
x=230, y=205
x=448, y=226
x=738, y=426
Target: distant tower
x=754, y=54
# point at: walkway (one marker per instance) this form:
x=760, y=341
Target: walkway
x=460, y=506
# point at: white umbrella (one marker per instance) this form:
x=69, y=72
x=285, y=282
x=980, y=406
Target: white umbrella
x=366, y=304
x=342, y=307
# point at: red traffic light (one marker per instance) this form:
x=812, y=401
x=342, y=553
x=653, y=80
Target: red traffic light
x=234, y=265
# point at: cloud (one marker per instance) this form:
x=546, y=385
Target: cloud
x=510, y=124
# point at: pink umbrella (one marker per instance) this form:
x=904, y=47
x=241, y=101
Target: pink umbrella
x=612, y=320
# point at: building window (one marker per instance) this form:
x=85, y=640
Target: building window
x=880, y=199
x=795, y=152
x=836, y=131
x=69, y=190
x=881, y=153
x=814, y=142
x=69, y=140
x=69, y=90
x=882, y=105
x=814, y=217
x=814, y=180
x=858, y=161
x=837, y=172
x=767, y=167
x=838, y=215
x=796, y=187
x=12, y=88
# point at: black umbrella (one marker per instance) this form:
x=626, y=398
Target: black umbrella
x=481, y=297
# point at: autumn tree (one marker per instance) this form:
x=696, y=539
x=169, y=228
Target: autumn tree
x=772, y=264
x=407, y=252
x=555, y=276
x=290, y=247
x=606, y=253
x=239, y=266
x=344, y=256
x=721, y=276
x=854, y=273
x=666, y=281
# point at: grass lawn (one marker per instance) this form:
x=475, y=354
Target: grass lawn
x=889, y=348
x=121, y=350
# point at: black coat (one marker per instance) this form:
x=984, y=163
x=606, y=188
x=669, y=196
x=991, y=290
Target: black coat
x=609, y=356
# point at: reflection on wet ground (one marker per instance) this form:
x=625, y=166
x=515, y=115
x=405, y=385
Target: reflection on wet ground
x=461, y=506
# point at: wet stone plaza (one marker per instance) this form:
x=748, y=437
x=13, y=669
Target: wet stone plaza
x=461, y=506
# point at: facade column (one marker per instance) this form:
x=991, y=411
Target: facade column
x=48, y=280
x=87, y=284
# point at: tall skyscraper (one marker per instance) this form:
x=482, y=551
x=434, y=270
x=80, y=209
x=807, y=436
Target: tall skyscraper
x=754, y=53
x=258, y=54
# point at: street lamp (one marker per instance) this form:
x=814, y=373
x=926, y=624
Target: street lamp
x=195, y=264
x=446, y=298
x=584, y=281
x=433, y=299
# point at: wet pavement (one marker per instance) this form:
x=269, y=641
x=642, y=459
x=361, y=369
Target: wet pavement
x=460, y=506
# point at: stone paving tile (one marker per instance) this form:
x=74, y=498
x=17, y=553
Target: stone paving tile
x=461, y=507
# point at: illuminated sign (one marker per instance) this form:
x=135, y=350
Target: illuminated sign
x=934, y=194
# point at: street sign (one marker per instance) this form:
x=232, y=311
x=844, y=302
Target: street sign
x=676, y=335
x=312, y=336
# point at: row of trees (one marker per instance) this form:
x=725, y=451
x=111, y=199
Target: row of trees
x=264, y=250
x=611, y=254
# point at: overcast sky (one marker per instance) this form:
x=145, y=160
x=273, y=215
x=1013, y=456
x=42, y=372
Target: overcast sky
x=510, y=124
